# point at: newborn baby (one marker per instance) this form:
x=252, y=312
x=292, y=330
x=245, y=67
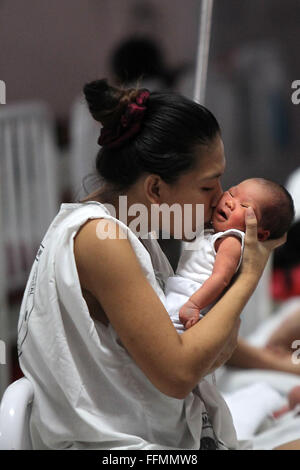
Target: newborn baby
x=203, y=274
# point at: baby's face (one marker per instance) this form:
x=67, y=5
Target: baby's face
x=231, y=208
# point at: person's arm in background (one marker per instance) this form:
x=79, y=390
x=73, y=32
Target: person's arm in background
x=247, y=356
x=286, y=333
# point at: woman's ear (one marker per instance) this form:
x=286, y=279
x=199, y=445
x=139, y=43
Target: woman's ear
x=262, y=234
x=152, y=187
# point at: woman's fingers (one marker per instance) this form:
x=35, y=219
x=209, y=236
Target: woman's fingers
x=251, y=225
x=256, y=253
x=253, y=263
x=272, y=244
x=251, y=231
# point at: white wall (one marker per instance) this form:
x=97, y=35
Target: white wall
x=50, y=48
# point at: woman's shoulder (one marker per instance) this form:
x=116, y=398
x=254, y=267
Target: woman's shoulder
x=74, y=209
x=100, y=229
x=90, y=220
x=101, y=243
x=104, y=248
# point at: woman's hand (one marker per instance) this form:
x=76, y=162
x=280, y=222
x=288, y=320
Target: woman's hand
x=256, y=254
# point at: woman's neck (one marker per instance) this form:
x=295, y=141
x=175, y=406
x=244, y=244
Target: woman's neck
x=119, y=204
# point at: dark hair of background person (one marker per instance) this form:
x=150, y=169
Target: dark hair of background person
x=172, y=128
x=140, y=58
x=287, y=256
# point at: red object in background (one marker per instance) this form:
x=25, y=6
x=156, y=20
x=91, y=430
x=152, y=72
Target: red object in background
x=281, y=289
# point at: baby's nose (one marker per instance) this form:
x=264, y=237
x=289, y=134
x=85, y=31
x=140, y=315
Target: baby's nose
x=229, y=203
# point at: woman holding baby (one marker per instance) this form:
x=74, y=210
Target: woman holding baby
x=108, y=368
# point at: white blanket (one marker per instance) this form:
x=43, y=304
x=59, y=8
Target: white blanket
x=253, y=394
x=251, y=405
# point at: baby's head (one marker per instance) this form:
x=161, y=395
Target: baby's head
x=272, y=204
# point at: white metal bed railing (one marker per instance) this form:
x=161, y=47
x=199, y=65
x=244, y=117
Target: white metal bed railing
x=29, y=198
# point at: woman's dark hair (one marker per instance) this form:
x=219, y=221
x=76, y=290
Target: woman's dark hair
x=171, y=129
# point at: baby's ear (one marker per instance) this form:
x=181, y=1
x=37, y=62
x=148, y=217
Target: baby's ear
x=263, y=235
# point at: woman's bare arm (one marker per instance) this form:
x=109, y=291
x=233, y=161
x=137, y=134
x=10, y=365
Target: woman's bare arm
x=174, y=363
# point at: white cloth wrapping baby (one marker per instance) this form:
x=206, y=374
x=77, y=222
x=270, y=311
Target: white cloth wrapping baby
x=194, y=268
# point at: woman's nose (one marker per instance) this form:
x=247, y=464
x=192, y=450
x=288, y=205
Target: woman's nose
x=218, y=194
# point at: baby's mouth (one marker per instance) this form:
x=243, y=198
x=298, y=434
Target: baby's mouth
x=222, y=214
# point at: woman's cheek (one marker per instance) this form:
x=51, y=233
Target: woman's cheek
x=207, y=213
x=193, y=223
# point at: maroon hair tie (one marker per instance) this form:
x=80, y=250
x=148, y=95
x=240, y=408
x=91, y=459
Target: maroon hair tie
x=130, y=123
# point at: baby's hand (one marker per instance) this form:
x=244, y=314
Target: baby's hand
x=189, y=314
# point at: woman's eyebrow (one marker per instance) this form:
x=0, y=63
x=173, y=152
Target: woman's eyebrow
x=211, y=177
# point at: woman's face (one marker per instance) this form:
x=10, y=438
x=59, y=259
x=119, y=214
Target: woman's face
x=201, y=185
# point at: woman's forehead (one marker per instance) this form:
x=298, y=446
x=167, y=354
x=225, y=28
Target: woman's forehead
x=210, y=171
x=211, y=161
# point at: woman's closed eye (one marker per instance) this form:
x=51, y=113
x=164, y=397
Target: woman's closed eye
x=207, y=189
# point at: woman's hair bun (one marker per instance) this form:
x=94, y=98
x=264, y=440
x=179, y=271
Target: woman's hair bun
x=107, y=103
x=145, y=133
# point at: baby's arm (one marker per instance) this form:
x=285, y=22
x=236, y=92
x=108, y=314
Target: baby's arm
x=227, y=258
